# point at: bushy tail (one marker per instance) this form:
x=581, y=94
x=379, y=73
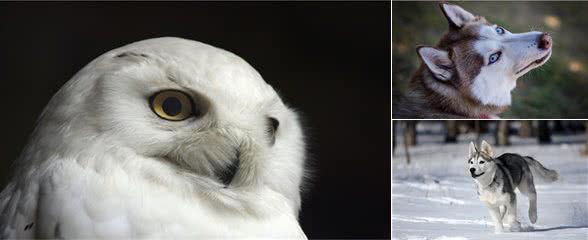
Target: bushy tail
x=540, y=171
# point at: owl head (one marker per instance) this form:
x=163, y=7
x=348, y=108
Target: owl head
x=199, y=110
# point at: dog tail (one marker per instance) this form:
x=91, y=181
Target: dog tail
x=546, y=174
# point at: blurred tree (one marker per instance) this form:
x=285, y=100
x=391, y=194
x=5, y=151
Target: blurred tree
x=477, y=128
x=543, y=132
x=586, y=148
x=393, y=136
x=406, y=151
x=558, y=126
x=451, y=133
x=502, y=133
x=526, y=129
x=410, y=136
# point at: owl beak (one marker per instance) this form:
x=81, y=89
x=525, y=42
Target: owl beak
x=227, y=174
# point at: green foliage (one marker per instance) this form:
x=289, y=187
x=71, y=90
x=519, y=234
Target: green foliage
x=558, y=89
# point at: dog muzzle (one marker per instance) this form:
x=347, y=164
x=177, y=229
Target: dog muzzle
x=473, y=173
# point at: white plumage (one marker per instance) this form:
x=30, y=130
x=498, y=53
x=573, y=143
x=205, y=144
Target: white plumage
x=103, y=162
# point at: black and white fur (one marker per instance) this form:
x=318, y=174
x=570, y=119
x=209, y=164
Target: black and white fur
x=497, y=178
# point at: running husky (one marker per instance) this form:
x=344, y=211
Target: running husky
x=497, y=178
x=472, y=70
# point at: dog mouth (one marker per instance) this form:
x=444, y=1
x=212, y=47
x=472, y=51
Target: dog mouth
x=537, y=62
x=474, y=175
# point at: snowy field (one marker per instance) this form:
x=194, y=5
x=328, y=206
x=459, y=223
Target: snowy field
x=434, y=197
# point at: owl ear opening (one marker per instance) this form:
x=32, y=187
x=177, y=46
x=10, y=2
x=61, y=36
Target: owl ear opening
x=456, y=16
x=132, y=56
x=437, y=61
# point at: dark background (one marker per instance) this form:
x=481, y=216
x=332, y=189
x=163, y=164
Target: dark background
x=329, y=60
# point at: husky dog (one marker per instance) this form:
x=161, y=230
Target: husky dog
x=472, y=70
x=497, y=178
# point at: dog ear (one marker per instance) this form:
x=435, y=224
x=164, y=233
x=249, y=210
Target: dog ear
x=437, y=61
x=485, y=148
x=456, y=16
x=473, y=149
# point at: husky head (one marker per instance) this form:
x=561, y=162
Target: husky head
x=480, y=60
x=481, y=163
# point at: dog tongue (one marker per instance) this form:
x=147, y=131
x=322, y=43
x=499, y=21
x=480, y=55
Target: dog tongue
x=484, y=116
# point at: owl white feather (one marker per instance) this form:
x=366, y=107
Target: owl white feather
x=164, y=137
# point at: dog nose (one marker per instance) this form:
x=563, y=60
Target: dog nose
x=544, y=41
x=472, y=170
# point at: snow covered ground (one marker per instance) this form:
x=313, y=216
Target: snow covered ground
x=434, y=197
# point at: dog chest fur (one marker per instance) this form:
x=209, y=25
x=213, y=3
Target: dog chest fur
x=494, y=196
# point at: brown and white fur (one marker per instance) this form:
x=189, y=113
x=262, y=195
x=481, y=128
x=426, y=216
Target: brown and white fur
x=472, y=70
x=497, y=178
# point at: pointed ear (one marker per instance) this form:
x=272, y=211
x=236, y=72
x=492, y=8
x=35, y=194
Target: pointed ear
x=456, y=16
x=485, y=148
x=437, y=61
x=472, y=149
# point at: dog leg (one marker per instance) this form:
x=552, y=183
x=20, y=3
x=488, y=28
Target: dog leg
x=511, y=216
x=502, y=212
x=533, y=207
x=527, y=187
x=495, y=215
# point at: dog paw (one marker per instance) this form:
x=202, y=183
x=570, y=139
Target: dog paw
x=533, y=217
x=515, y=227
x=526, y=228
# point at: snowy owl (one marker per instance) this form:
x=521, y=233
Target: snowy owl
x=164, y=137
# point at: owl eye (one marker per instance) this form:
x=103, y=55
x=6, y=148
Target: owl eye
x=172, y=105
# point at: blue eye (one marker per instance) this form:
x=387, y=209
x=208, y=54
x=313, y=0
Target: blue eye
x=500, y=30
x=494, y=57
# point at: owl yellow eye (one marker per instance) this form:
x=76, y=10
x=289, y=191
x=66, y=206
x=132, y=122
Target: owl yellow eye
x=172, y=105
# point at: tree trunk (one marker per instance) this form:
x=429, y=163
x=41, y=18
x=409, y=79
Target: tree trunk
x=543, y=132
x=557, y=126
x=393, y=136
x=526, y=128
x=406, y=149
x=502, y=133
x=451, y=135
x=409, y=137
x=586, y=129
x=410, y=132
x=477, y=127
